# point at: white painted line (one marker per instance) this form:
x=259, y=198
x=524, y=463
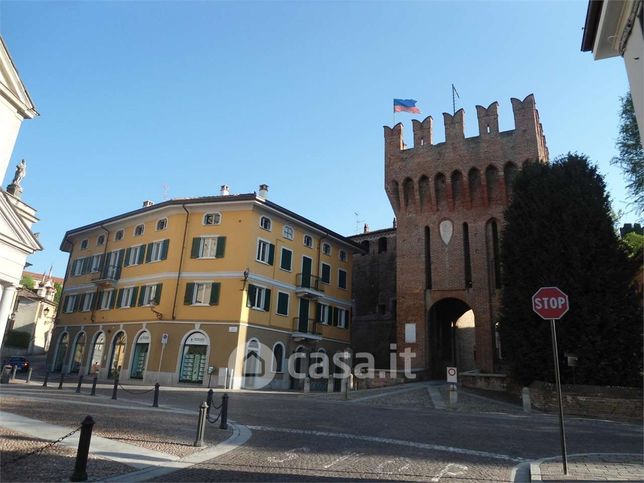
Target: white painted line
x=355, y=398
x=437, y=399
x=399, y=442
x=452, y=469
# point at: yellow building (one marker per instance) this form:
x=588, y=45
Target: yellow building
x=168, y=292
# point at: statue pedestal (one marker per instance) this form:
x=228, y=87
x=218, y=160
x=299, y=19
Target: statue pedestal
x=15, y=190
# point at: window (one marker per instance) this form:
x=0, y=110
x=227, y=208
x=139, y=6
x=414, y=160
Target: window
x=287, y=232
x=308, y=241
x=134, y=255
x=382, y=244
x=95, y=264
x=212, y=219
x=326, y=249
x=342, y=278
x=157, y=251
x=139, y=229
x=278, y=357
x=324, y=314
x=342, y=318
x=265, y=252
x=81, y=266
x=259, y=298
x=343, y=256
x=150, y=295
x=83, y=244
x=208, y=247
x=202, y=293
x=326, y=273
x=127, y=297
x=282, y=303
x=106, y=299
x=118, y=235
x=70, y=303
x=265, y=223
x=100, y=240
x=286, y=259
x=87, y=300
x=162, y=224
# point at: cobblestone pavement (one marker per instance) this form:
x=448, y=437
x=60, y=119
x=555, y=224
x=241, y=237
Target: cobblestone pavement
x=592, y=468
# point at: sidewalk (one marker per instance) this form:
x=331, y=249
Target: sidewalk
x=590, y=467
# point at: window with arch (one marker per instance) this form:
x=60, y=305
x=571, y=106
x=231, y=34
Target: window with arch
x=162, y=224
x=308, y=241
x=382, y=244
x=288, y=232
x=266, y=223
x=193, y=358
x=100, y=240
x=61, y=351
x=319, y=360
x=97, y=353
x=252, y=363
x=365, y=245
x=78, y=353
x=343, y=256
x=139, y=229
x=278, y=358
x=118, y=235
x=118, y=354
x=326, y=248
x=83, y=244
x=139, y=358
x=212, y=218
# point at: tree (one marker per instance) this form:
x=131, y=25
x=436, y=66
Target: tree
x=631, y=153
x=559, y=232
x=59, y=290
x=28, y=281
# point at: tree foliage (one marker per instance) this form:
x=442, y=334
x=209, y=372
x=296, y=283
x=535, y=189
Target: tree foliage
x=59, y=289
x=559, y=232
x=28, y=281
x=631, y=153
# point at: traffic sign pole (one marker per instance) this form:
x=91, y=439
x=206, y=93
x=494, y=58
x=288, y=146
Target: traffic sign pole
x=562, y=430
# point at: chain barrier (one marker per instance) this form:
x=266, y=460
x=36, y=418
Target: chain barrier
x=136, y=393
x=39, y=450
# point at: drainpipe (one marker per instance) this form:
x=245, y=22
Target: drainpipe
x=326, y=235
x=183, y=248
x=107, y=241
x=60, y=301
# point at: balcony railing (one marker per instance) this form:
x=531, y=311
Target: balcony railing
x=109, y=274
x=306, y=326
x=309, y=286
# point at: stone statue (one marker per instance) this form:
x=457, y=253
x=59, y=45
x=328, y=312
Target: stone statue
x=21, y=172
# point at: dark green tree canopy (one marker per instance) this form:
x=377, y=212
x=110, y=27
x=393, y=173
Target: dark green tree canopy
x=559, y=232
x=631, y=153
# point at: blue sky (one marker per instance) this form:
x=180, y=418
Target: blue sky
x=146, y=100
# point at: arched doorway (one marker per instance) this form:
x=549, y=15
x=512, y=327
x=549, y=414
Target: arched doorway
x=118, y=354
x=97, y=353
x=61, y=351
x=252, y=363
x=451, y=337
x=193, y=358
x=140, y=356
x=79, y=352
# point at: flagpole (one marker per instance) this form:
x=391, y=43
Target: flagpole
x=453, y=101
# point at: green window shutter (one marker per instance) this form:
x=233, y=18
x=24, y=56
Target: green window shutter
x=221, y=247
x=190, y=288
x=141, y=295
x=141, y=255
x=94, y=305
x=346, y=324
x=318, y=314
x=286, y=259
x=335, y=316
x=65, y=300
x=86, y=265
x=164, y=248
x=267, y=300
x=101, y=261
x=342, y=279
x=252, y=292
x=119, y=293
x=119, y=263
x=326, y=273
x=80, y=301
x=196, y=245
x=135, y=292
x=148, y=253
x=113, y=301
x=282, y=303
x=215, y=288
x=77, y=302
x=271, y=253
x=99, y=299
x=157, y=295
x=126, y=260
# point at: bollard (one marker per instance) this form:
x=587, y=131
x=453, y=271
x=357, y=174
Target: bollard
x=155, y=402
x=80, y=468
x=13, y=373
x=307, y=384
x=453, y=396
x=44, y=383
x=329, y=384
x=209, y=401
x=29, y=375
x=62, y=379
x=345, y=387
x=223, y=424
x=525, y=398
x=116, y=386
x=201, y=423
x=80, y=383
x=93, y=393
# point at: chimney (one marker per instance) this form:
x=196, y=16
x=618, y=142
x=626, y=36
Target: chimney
x=224, y=190
x=365, y=229
x=147, y=203
x=263, y=191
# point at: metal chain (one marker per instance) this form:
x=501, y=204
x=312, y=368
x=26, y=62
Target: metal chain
x=213, y=421
x=39, y=450
x=136, y=392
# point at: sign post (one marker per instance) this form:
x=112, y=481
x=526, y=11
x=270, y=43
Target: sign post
x=550, y=303
x=164, y=342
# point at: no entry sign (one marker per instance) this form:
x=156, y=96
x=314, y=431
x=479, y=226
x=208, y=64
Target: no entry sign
x=550, y=303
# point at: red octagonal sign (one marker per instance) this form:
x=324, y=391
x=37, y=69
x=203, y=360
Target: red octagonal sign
x=550, y=303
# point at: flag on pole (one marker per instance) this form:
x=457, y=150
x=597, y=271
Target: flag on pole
x=406, y=105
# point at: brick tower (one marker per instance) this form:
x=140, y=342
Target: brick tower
x=449, y=200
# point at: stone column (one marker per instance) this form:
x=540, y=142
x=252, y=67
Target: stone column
x=6, y=303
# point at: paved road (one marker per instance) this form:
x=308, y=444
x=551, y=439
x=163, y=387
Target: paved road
x=301, y=437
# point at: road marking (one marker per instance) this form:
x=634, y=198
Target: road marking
x=381, y=467
x=291, y=454
x=451, y=469
x=399, y=442
x=437, y=399
x=341, y=459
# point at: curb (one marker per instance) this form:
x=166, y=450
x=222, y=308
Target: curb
x=535, y=466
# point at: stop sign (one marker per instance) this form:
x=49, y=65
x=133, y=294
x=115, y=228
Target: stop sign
x=550, y=303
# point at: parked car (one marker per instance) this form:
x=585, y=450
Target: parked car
x=21, y=362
